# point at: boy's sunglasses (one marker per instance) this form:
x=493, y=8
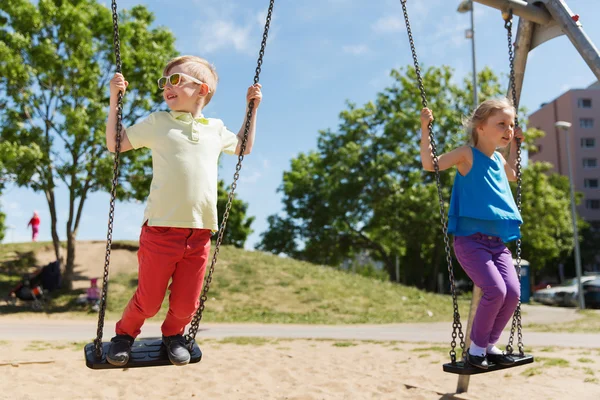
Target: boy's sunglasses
x=175, y=80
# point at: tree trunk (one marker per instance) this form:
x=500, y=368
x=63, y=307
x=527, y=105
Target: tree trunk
x=390, y=266
x=53, y=220
x=70, y=265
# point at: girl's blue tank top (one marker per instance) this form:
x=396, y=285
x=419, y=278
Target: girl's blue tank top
x=482, y=202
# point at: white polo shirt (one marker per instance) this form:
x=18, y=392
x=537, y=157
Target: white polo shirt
x=185, y=154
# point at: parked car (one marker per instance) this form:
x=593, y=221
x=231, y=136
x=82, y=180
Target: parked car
x=564, y=294
x=544, y=284
x=591, y=293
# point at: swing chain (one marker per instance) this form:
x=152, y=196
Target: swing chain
x=456, y=325
x=516, y=320
x=194, y=325
x=113, y=191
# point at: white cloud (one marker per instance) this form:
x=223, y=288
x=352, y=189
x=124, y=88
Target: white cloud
x=225, y=25
x=255, y=171
x=388, y=25
x=382, y=79
x=251, y=177
x=356, y=49
x=221, y=34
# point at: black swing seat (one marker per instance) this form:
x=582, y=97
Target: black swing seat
x=147, y=352
x=464, y=368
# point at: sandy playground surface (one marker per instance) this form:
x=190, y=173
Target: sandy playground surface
x=298, y=369
x=259, y=368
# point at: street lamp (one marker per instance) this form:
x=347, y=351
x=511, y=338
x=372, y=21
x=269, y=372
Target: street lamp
x=565, y=126
x=464, y=7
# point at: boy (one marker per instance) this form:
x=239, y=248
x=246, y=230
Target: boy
x=181, y=211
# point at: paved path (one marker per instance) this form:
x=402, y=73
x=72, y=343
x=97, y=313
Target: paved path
x=439, y=332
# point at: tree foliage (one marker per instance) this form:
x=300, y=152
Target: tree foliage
x=56, y=62
x=238, y=225
x=363, y=189
x=547, y=229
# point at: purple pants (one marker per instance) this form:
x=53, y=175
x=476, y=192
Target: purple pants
x=488, y=263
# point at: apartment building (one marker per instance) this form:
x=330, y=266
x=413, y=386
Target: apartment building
x=580, y=107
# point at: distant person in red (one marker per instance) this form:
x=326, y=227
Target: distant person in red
x=35, y=226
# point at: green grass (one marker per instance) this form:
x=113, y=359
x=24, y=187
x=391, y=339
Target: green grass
x=7, y=251
x=532, y=371
x=552, y=361
x=40, y=346
x=589, y=321
x=245, y=341
x=585, y=360
x=545, y=362
x=260, y=287
x=435, y=349
x=344, y=344
x=588, y=371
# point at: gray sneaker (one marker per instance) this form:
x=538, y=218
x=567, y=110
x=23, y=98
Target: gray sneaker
x=176, y=349
x=120, y=350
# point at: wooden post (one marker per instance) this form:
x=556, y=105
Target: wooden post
x=463, y=380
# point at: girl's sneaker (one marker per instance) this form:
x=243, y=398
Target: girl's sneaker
x=480, y=362
x=501, y=359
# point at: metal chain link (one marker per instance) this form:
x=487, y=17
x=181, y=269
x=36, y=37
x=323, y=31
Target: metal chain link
x=193, y=330
x=113, y=191
x=516, y=320
x=456, y=325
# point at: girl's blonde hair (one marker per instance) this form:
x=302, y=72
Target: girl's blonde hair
x=482, y=113
x=199, y=69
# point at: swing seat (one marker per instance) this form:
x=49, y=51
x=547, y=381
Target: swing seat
x=147, y=352
x=464, y=368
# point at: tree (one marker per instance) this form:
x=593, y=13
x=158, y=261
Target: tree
x=547, y=229
x=56, y=59
x=364, y=190
x=238, y=225
x=2, y=225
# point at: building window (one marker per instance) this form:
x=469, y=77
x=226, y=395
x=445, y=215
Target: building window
x=586, y=122
x=590, y=183
x=584, y=103
x=590, y=162
x=588, y=143
x=592, y=204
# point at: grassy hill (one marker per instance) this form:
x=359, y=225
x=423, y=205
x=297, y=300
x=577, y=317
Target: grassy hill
x=258, y=287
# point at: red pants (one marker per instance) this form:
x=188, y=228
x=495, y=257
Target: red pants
x=165, y=253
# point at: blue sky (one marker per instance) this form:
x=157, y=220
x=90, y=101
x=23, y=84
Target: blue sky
x=320, y=54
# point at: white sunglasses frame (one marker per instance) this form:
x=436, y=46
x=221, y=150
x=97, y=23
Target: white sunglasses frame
x=168, y=80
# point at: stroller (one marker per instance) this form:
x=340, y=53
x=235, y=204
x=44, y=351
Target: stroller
x=34, y=287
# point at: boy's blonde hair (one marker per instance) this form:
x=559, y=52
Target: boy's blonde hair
x=199, y=69
x=482, y=113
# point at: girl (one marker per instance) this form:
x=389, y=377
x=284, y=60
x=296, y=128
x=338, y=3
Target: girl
x=35, y=226
x=483, y=216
